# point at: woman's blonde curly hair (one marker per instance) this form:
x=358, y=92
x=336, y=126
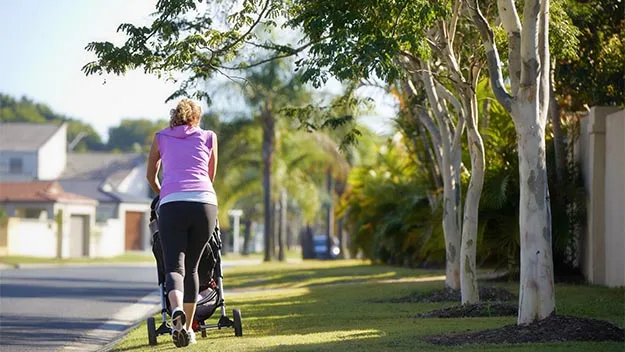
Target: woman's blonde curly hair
x=186, y=113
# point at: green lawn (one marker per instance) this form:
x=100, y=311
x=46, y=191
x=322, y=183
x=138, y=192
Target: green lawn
x=327, y=306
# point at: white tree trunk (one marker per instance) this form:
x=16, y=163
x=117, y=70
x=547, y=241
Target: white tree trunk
x=536, y=292
x=528, y=105
x=451, y=223
x=449, y=165
x=465, y=102
x=450, y=169
x=468, y=275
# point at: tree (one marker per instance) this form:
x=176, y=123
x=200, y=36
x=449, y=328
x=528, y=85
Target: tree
x=269, y=89
x=379, y=38
x=134, y=135
x=527, y=102
x=463, y=81
x=372, y=38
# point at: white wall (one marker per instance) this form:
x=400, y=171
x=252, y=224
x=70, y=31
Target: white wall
x=615, y=199
x=107, y=239
x=31, y=237
x=87, y=210
x=601, y=152
x=29, y=165
x=53, y=155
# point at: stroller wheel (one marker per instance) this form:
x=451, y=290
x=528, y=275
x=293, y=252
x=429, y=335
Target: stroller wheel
x=203, y=332
x=238, y=328
x=151, y=331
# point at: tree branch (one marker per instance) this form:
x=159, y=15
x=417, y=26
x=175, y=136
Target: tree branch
x=545, y=60
x=450, y=97
x=512, y=25
x=529, y=54
x=492, y=56
x=425, y=117
x=398, y=17
x=277, y=57
x=454, y=22
x=249, y=30
x=458, y=134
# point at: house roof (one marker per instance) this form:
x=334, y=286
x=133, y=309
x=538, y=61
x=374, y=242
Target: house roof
x=23, y=136
x=130, y=198
x=95, y=189
x=39, y=191
x=88, y=188
x=101, y=166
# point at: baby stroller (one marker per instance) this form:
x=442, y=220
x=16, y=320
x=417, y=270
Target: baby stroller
x=211, y=287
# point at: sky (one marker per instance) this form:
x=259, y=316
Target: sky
x=42, y=51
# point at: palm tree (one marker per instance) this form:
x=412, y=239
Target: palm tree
x=267, y=91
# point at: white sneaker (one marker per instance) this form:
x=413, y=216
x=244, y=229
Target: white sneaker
x=192, y=340
x=179, y=334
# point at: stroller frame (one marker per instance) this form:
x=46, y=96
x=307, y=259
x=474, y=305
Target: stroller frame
x=216, y=284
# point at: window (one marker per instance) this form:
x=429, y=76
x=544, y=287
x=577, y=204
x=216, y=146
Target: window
x=33, y=213
x=16, y=166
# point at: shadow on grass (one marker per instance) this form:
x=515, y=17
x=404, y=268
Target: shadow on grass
x=315, y=274
x=302, y=315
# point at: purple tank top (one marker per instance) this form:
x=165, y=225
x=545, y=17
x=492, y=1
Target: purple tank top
x=185, y=153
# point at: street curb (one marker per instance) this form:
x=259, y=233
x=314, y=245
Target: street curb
x=114, y=342
x=4, y=266
x=104, y=332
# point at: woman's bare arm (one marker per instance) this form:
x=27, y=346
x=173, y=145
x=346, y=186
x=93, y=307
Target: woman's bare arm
x=212, y=162
x=154, y=163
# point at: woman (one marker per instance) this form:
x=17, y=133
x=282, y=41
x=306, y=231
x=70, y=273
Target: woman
x=187, y=210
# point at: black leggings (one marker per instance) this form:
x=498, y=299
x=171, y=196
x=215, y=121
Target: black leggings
x=184, y=229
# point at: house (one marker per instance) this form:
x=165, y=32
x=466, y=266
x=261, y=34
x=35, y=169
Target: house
x=114, y=183
x=117, y=181
x=44, y=220
x=30, y=151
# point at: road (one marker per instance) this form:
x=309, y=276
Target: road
x=72, y=308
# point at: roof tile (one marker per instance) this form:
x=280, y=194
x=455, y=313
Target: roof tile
x=38, y=191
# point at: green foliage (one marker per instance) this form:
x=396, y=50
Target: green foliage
x=364, y=38
x=134, y=135
x=563, y=34
x=388, y=213
x=596, y=74
x=337, y=118
x=569, y=216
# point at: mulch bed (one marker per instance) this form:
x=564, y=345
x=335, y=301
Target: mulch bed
x=481, y=309
x=487, y=294
x=557, y=328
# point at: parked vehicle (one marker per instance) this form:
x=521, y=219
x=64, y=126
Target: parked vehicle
x=320, y=247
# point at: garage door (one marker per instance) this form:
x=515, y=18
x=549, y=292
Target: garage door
x=78, y=241
x=134, y=222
